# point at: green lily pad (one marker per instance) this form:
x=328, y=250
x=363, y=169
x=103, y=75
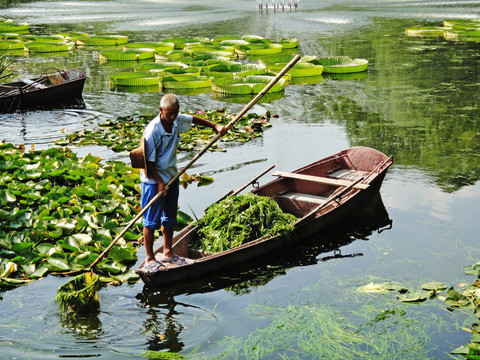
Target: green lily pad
x=433, y=285
x=415, y=296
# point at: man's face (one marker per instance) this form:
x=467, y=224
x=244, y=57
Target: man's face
x=169, y=114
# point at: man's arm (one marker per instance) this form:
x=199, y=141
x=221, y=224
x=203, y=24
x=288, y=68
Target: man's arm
x=152, y=173
x=220, y=129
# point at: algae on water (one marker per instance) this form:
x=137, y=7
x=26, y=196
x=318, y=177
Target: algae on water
x=239, y=219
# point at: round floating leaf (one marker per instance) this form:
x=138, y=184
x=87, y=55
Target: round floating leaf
x=255, y=39
x=235, y=70
x=11, y=45
x=126, y=55
x=259, y=49
x=10, y=27
x=252, y=84
x=203, y=48
x=134, y=78
x=288, y=43
x=185, y=82
x=227, y=37
x=160, y=47
x=434, y=31
x=182, y=71
x=44, y=39
x=342, y=64
x=179, y=43
x=299, y=69
x=415, y=296
x=433, y=285
x=472, y=269
x=37, y=47
x=461, y=23
x=103, y=40
x=159, y=66
x=277, y=58
x=233, y=42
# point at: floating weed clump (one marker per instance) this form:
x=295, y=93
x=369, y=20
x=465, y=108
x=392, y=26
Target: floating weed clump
x=239, y=219
x=124, y=133
x=59, y=212
x=467, y=298
x=79, y=295
x=318, y=331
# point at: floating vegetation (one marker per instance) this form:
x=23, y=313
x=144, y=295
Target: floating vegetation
x=59, y=212
x=9, y=26
x=199, y=56
x=135, y=78
x=432, y=31
x=103, y=40
x=319, y=331
x=240, y=219
x=126, y=55
x=79, y=295
x=456, y=30
x=48, y=47
x=253, y=84
x=299, y=69
x=342, y=64
x=467, y=298
x=235, y=70
x=123, y=134
x=180, y=82
x=159, y=47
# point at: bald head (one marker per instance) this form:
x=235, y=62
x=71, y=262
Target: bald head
x=170, y=101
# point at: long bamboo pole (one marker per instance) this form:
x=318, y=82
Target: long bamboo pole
x=191, y=162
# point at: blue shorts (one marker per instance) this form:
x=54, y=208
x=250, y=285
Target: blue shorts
x=162, y=212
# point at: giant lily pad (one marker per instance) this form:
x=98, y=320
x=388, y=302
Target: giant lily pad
x=342, y=64
x=253, y=84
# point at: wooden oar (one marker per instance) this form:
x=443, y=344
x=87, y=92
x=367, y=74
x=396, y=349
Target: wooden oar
x=253, y=181
x=191, y=162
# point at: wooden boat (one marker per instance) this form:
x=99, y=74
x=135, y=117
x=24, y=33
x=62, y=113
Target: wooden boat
x=322, y=195
x=52, y=89
x=370, y=218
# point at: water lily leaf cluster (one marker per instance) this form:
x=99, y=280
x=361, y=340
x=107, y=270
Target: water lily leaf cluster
x=452, y=30
x=239, y=219
x=468, y=297
x=123, y=133
x=59, y=212
x=154, y=65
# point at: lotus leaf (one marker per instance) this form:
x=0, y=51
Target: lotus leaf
x=472, y=269
x=433, y=285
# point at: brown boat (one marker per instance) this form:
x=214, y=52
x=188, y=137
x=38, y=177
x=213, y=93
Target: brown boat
x=323, y=194
x=53, y=89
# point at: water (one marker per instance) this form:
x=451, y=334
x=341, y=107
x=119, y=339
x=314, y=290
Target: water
x=419, y=104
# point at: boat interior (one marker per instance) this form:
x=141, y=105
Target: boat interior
x=301, y=192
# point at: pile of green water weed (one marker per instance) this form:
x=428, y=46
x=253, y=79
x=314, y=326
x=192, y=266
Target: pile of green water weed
x=240, y=219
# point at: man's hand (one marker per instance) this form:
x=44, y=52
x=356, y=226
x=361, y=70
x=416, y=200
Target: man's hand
x=161, y=187
x=222, y=130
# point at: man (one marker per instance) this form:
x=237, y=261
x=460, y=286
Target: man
x=162, y=136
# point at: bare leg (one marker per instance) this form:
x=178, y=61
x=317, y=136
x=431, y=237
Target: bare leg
x=167, y=242
x=149, y=238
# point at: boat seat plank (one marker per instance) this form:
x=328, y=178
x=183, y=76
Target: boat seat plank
x=320, y=179
x=32, y=83
x=299, y=197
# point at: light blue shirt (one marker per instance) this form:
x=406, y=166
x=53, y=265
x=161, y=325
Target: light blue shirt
x=161, y=146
